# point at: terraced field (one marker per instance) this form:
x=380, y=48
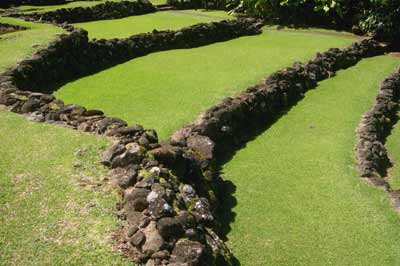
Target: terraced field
x=125, y=27
x=299, y=200
x=18, y=45
x=169, y=89
x=298, y=184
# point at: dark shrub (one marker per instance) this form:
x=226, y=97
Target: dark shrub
x=382, y=20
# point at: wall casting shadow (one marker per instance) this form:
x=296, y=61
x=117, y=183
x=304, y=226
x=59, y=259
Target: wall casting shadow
x=226, y=189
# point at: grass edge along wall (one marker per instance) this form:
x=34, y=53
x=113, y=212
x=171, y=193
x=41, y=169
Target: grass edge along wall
x=191, y=80
x=300, y=186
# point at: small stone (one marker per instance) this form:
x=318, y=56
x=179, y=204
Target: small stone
x=111, y=153
x=140, y=204
x=154, y=241
x=132, y=230
x=93, y=113
x=170, y=227
x=137, y=239
x=187, y=251
x=36, y=117
x=202, y=144
x=152, y=196
x=161, y=255
x=155, y=170
x=128, y=130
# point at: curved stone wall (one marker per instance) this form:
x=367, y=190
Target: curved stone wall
x=376, y=125
x=74, y=55
x=108, y=10
x=169, y=189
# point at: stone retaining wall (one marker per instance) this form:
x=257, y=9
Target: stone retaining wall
x=108, y=10
x=74, y=55
x=227, y=123
x=191, y=156
x=376, y=125
x=169, y=189
x=7, y=28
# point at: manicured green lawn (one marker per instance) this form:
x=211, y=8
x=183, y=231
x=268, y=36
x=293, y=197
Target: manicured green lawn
x=393, y=147
x=158, y=2
x=169, y=89
x=125, y=27
x=19, y=45
x=300, y=201
x=55, y=207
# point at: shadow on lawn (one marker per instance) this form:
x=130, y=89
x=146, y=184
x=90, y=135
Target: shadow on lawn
x=226, y=189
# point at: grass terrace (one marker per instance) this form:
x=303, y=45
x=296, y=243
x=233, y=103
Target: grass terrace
x=169, y=89
x=393, y=147
x=125, y=27
x=56, y=207
x=300, y=201
x=19, y=45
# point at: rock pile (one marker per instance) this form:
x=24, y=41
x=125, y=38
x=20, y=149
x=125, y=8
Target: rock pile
x=108, y=10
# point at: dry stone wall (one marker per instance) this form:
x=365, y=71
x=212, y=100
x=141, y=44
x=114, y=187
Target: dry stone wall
x=227, y=123
x=108, y=10
x=74, y=55
x=7, y=28
x=376, y=125
x=169, y=189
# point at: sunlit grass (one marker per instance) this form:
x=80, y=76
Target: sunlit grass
x=169, y=89
x=55, y=206
x=300, y=201
x=19, y=45
x=125, y=27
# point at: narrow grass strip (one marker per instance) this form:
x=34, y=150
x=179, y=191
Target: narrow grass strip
x=299, y=199
x=125, y=27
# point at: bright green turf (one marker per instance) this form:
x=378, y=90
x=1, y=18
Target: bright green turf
x=52, y=213
x=300, y=200
x=125, y=27
x=158, y=2
x=393, y=147
x=18, y=45
x=169, y=89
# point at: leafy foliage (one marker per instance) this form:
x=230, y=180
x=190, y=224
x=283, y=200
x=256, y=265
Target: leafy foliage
x=383, y=20
x=380, y=18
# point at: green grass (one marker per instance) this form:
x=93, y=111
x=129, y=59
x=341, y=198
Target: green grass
x=393, y=147
x=169, y=89
x=20, y=45
x=55, y=207
x=158, y=2
x=125, y=27
x=300, y=201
